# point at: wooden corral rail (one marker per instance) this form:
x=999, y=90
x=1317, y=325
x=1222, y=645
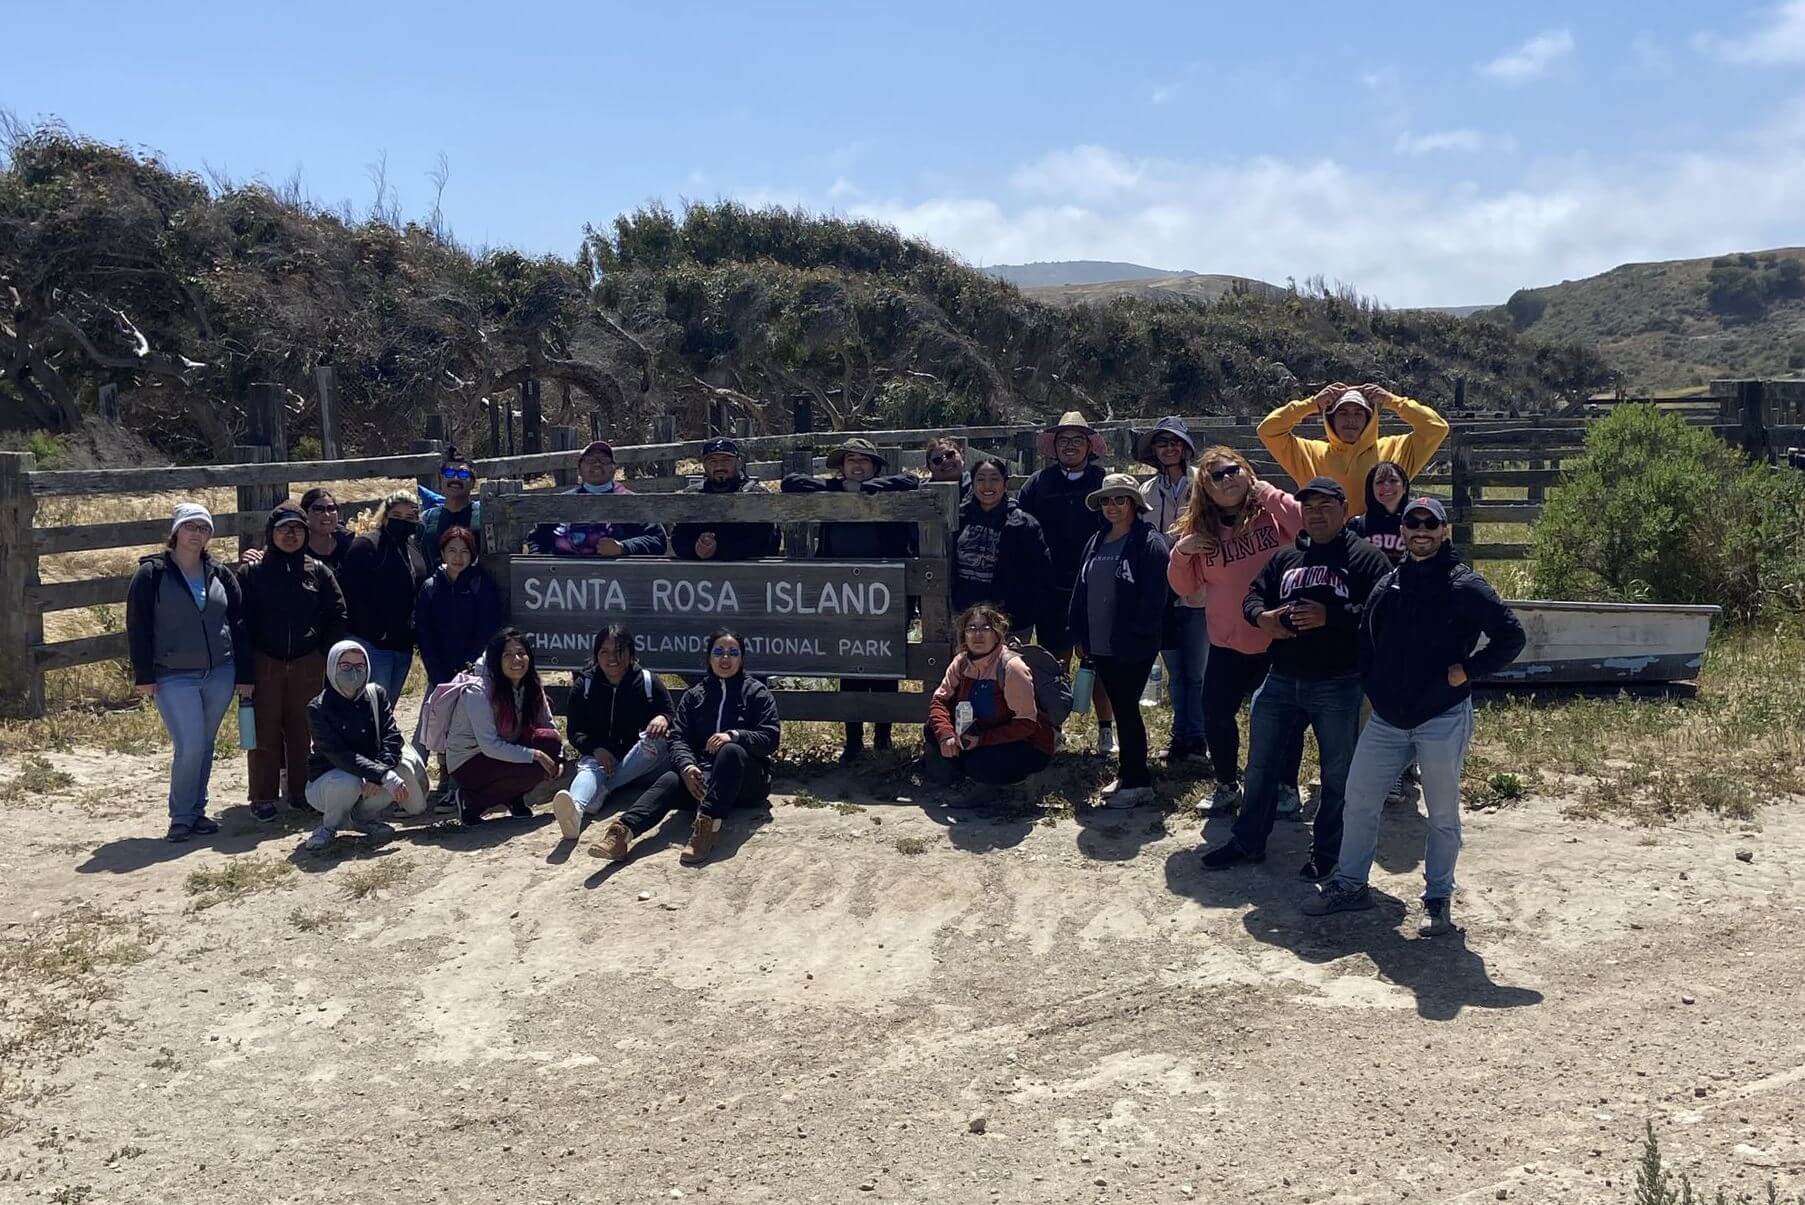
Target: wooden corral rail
x=1492, y=450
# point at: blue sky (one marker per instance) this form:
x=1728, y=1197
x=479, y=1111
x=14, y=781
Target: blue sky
x=1425, y=153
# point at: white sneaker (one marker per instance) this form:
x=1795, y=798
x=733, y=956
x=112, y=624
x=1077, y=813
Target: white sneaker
x=1110, y=788
x=570, y=817
x=1106, y=741
x=1130, y=797
x=1226, y=799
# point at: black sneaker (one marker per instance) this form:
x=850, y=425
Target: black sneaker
x=519, y=810
x=178, y=833
x=1228, y=854
x=300, y=805
x=264, y=810
x=1438, y=918
x=1316, y=869
x=851, y=754
x=1338, y=897
x=205, y=826
x=469, y=813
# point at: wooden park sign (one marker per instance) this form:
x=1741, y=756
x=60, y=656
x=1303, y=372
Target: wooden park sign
x=812, y=619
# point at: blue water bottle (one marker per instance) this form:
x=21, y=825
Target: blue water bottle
x=247, y=725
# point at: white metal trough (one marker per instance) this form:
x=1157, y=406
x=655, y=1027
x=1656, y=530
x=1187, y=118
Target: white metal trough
x=1584, y=643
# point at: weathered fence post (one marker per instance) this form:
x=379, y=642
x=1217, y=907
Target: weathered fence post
x=502, y=536
x=1460, y=472
x=21, y=623
x=1027, y=451
x=109, y=403
x=432, y=445
x=797, y=537
x=531, y=418
x=1752, y=405
x=325, y=383
x=802, y=413
x=936, y=593
x=494, y=427
x=255, y=499
x=267, y=410
x=1460, y=394
x=563, y=439
x=742, y=428
x=664, y=431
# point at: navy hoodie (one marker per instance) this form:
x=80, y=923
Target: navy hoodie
x=1340, y=574
x=1383, y=529
x=1421, y=618
x=1057, y=503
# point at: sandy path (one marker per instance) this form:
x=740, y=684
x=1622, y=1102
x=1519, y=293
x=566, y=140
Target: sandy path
x=818, y=1016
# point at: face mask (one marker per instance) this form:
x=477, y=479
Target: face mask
x=401, y=529
x=349, y=679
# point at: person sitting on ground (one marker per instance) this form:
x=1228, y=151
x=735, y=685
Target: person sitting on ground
x=596, y=468
x=618, y=719
x=184, y=627
x=1117, y=603
x=1000, y=555
x=1232, y=526
x=294, y=612
x=946, y=462
x=1309, y=599
x=501, y=743
x=725, y=734
x=381, y=575
x=860, y=469
x=724, y=472
x=1350, y=417
x=983, y=721
x=360, y=764
x=1185, y=641
x=457, y=482
x=1056, y=496
x=1419, y=633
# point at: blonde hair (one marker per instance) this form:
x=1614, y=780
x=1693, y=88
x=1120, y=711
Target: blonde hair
x=1203, y=518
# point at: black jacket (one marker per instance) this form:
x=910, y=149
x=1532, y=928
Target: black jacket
x=293, y=606
x=1383, y=529
x=453, y=620
x=380, y=576
x=1022, y=571
x=739, y=705
x=733, y=541
x=346, y=736
x=1141, y=591
x=859, y=541
x=1339, y=574
x=599, y=715
x=212, y=645
x=1057, y=504
x=1423, y=617
x=580, y=539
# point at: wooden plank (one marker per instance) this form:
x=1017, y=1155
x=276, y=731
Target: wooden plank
x=21, y=626
x=134, y=533
x=1516, y=476
x=1494, y=552
x=1503, y=512
x=66, y=654
x=182, y=477
x=1490, y=455
x=90, y=592
x=530, y=509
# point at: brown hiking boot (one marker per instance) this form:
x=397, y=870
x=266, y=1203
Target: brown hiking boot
x=613, y=842
x=701, y=840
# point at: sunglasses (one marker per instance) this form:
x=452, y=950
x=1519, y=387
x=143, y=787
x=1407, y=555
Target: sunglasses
x=723, y=652
x=940, y=458
x=457, y=474
x=322, y=508
x=1424, y=523
x=1225, y=473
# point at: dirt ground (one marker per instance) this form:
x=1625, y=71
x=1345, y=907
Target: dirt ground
x=882, y=1001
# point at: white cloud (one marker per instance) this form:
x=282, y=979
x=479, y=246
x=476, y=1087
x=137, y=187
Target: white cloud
x=1165, y=93
x=1463, y=141
x=1532, y=59
x=1779, y=38
x=1402, y=236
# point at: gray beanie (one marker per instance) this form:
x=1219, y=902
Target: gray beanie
x=186, y=512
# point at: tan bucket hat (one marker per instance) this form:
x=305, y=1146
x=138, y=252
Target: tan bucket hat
x=1071, y=420
x=1118, y=485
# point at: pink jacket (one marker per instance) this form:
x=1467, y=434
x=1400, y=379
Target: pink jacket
x=1224, y=571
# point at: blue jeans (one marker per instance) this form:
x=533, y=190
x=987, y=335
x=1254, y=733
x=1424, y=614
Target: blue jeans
x=1440, y=746
x=1282, y=708
x=192, y=705
x=388, y=670
x=590, y=787
x=1184, y=673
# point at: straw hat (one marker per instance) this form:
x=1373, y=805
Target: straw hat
x=1071, y=420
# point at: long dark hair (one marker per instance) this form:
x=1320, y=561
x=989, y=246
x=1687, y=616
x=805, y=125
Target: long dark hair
x=622, y=637
x=722, y=633
x=501, y=697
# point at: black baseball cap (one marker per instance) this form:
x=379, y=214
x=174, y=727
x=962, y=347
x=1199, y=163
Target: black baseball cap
x=719, y=444
x=1322, y=485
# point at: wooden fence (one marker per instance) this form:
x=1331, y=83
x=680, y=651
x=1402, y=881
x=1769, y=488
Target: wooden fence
x=1483, y=455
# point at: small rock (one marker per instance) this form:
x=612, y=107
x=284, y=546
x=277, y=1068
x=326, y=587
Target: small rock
x=1100, y=1182
x=978, y=1123
x=1503, y=1194
x=1688, y=999
x=644, y=896
x=1700, y=1091
x=868, y=1186
x=1745, y=855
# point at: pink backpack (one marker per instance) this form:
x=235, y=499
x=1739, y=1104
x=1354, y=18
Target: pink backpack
x=436, y=712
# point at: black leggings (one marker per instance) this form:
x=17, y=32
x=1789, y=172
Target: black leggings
x=1229, y=679
x=1122, y=679
x=855, y=731
x=994, y=765
x=734, y=780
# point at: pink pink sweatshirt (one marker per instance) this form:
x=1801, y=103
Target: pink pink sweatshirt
x=1224, y=572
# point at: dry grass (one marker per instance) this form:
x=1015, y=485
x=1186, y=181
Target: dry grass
x=367, y=878
x=36, y=777
x=237, y=878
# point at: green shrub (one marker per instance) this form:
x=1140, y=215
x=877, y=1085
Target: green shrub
x=1662, y=511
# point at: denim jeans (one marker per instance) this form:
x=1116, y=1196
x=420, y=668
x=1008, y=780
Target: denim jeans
x=1184, y=673
x=1440, y=746
x=1282, y=708
x=591, y=785
x=192, y=705
x=388, y=670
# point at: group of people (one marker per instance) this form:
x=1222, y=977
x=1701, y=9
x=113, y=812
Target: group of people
x=1313, y=604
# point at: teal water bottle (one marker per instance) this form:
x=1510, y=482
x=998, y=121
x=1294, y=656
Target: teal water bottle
x=247, y=725
x=1084, y=682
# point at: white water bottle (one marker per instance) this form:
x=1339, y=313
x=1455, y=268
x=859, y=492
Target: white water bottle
x=963, y=717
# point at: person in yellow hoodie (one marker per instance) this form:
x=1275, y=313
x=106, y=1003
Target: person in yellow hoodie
x=1350, y=416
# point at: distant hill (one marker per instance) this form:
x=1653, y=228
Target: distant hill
x=1075, y=272
x=1677, y=323
x=1454, y=311
x=1193, y=285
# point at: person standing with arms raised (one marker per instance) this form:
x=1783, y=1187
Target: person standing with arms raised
x=1056, y=497
x=1350, y=418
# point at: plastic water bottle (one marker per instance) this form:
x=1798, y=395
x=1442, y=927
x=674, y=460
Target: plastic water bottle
x=247, y=724
x=1084, y=683
x=1150, y=693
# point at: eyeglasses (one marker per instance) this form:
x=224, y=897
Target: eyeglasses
x=978, y=629
x=1165, y=441
x=1070, y=441
x=457, y=474
x=323, y=508
x=725, y=653
x=1422, y=523
x=1226, y=473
